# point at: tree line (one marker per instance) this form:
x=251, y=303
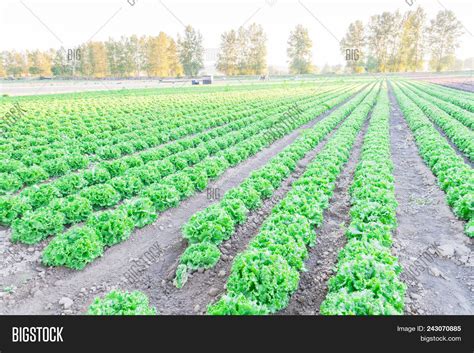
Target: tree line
x=396, y=42
x=389, y=42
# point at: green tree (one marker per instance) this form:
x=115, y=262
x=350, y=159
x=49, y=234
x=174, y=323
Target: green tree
x=353, y=44
x=59, y=63
x=15, y=64
x=138, y=50
x=93, y=62
x=299, y=51
x=443, y=39
x=191, y=51
x=384, y=34
x=3, y=72
x=228, y=57
x=175, y=67
x=411, y=49
x=257, y=50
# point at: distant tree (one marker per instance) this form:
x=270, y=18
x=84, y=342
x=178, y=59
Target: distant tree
x=112, y=48
x=158, y=64
x=15, y=64
x=191, y=51
x=137, y=50
x=124, y=58
x=175, y=67
x=34, y=62
x=354, y=41
x=3, y=72
x=257, y=50
x=243, y=51
x=443, y=39
x=384, y=33
x=59, y=63
x=299, y=51
x=228, y=56
x=93, y=61
x=393, y=27
x=411, y=49
x=377, y=42
x=120, y=57
x=371, y=63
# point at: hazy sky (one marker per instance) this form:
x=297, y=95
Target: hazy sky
x=29, y=24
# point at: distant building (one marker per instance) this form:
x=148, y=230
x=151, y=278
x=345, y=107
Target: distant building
x=207, y=80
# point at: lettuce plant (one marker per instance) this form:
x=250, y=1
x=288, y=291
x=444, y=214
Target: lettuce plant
x=163, y=196
x=263, y=277
x=121, y=303
x=103, y=195
x=111, y=226
x=236, y=305
x=74, y=249
x=213, y=225
x=141, y=211
x=11, y=208
x=38, y=196
x=35, y=226
x=200, y=255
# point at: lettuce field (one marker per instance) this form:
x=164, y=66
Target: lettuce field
x=335, y=196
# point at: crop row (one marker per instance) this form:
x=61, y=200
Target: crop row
x=60, y=120
x=92, y=134
x=454, y=176
x=129, y=174
x=56, y=162
x=456, y=97
x=367, y=281
x=208, y=228
x=460, y=135
x=462, y=115
x=264, y=276
x=83, y=244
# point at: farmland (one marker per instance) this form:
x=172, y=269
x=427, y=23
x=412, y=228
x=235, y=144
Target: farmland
x=333, y=196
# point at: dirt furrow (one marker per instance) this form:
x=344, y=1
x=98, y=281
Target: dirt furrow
x=430, y=243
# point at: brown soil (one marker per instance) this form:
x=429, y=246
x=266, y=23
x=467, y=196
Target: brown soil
x=440, y=283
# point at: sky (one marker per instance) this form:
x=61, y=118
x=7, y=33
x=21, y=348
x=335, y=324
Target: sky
x=39, y=24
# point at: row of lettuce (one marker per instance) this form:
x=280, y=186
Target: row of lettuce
x=462, y=115
x=76, y=195
x=461, y=136
x=208, y=228
x=459, y=98
x=78, y=124
x=66, y=121
x=367, y=280
x=20, y=168
x=144, y=165
x=455, y=177
x=82, y=244
x=264, y=276
x=105, y=136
